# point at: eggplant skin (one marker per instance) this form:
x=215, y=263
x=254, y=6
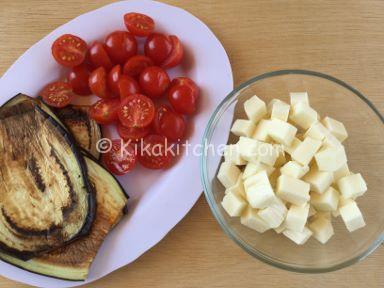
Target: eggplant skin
x=27, y=242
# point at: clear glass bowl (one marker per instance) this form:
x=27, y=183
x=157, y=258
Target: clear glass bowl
x=365, y=149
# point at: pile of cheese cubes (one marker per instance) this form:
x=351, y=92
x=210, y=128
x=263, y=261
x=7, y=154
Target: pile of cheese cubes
x=288, y=171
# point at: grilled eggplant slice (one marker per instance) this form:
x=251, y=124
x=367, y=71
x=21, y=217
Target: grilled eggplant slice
x=46, y=200
x=73, y=261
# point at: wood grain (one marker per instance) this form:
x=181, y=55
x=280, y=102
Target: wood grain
x=341, y=38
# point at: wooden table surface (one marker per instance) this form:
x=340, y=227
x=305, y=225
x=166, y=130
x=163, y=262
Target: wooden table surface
x=341, y=38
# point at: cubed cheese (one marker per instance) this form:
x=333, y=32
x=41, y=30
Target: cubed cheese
x=290, y=149
x=274, y=214
x=248, y=149
x=297, y=217
x=262, y=131
x=278, y=110
x=228, y=174
x=297, y=97
x=292, y=190
x=282, y=132
x=233, y=204
x=253, y=168
x=252, y=220
x=298, y=237
x=336, y=128
x=238, y=188
x=306, y=150
x=352, y=217
x=243, y=127
x=232, y=155
x=303, y=115
x=317, y=131
x=267, y=153
x=331, y=140
x=259, y=191
x=322, y=229
x=319, y=180
x=280, y=229
x=281, y=159
x=255, y=109
x=341, y=172
x=261, y=177
x=294, y=169
x=342, y=202
x=352, y=186
x=328, y=201
x=331, y=158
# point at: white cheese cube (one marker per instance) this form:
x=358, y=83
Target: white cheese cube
x=298, y=237
x=252, y=220
x=331, y=140
x=317, y=131
x=342, y=201
x=259, y=191
x=233, y=204
x=232, y=155
x=336, y=128
x=319, y=180
x=322, y=229
x=341, y=172
x=352, y=186
x=282, y=132
x=290, y=149
x=294, y=169
x=248, y=148
x=331, y=158
x=274, y=214
x=292, y=190
x=243, y=127
x=352, y=217
x=260, y=177
x=297, y=97
x=228, y=174
x=278, y=110
x=328, y=201
x=262, y=131
x=281, y=160
x=303, y=115
x=255, y=109
x=238, y=188
x=267, y=153
x=280, y=229
x=253, y=168
x=306, y=150
x=297, y=217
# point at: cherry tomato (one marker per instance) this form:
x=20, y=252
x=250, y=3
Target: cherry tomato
x=98, y=83
x=154, y=81
x=172, y=126
x=104, y=111
x=189, y=82
x=133, y=134
x=113, y=79
x=136, y=111
x=139, y=24
x=182, y=99
x=69, y=50
x=158, y=47
x=160, y=111
x=128, y=86
x=154, y=152
x=176, y=55
x=99, y=56
x=120, y=46
x=121, y=158
x=78, y=78
x=57, y=94
x=136, y=64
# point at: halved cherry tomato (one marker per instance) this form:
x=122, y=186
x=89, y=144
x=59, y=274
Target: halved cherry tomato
x=154, y=152
x=57, y=94
x=78, y=78
x=128, y=86
x=133, y=134
x=136, y=111
x=136, y=64
x=99, y=56
x=182, y=99
x=69, y=50
x=121, y=158
x=172, y=126
x=158, y=47
x=154, y=81
x=176, y=55
x=120, y=46
x=98, y=83
x=139, y=24
x=104, y=111
x=189, y=82
x=113, y=79
x=160, y=111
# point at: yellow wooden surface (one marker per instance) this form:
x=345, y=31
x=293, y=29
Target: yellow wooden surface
x=341, y=38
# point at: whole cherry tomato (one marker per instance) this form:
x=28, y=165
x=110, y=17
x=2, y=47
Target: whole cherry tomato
x=78, y=78
x=120, y=46
x=113, y=79
x=158, y=47
x=154, y=81
x=182, y=99
x=139, y=24
x=189, y=82
x=172, y=126
x=104, y=111
x=128, y=86
x=99, y=56
x=69, y=50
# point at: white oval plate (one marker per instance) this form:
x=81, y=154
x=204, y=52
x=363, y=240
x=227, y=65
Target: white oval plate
x=159, y=199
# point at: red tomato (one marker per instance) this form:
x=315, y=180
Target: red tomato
x=69, y=50
x=154, y=153
x=154, y=81
x=78, y=78
x=160, y=111
x=158, y=47
x=182, y=99
x=121, y=158
x=128, y=86
x=139, y=24
x=136, y=111
x=104, y=111
x=133, y=134
x=120, y=46
x=136, y=64
x=57, y=94
x=113, y=79
x=98, y=83
x=189, y=82
x=99, y=56
x=176, y=55
x=172, y=126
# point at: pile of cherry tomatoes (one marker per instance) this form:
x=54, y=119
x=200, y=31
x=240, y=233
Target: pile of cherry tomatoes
x=131, y=88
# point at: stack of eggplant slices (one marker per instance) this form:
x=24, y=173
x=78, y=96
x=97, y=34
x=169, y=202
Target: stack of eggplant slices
x=57, y=204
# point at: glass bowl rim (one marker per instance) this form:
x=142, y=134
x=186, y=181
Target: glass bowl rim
x=216, y=115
